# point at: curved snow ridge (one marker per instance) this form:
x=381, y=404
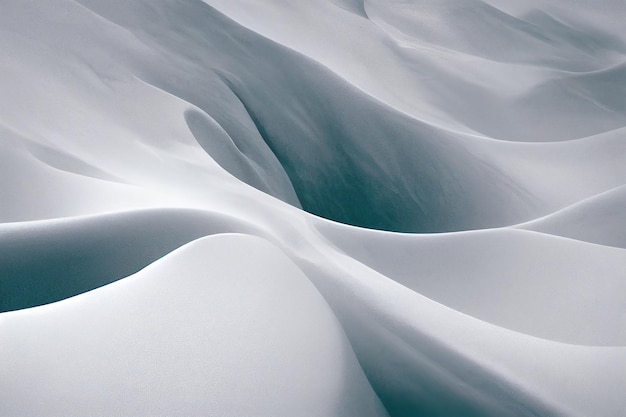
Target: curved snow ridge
x=600, y=219
x=423, y=357
x=512, y=278
x=226, y=325
x=46, y=261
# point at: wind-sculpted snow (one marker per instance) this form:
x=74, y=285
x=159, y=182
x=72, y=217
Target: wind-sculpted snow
x=46, y=261
x=324, y=207
x=202, y=331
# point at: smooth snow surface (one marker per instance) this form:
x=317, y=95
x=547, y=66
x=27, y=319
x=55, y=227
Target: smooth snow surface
x=312, y=208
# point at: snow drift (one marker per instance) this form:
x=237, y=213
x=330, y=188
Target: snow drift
x=330, y=207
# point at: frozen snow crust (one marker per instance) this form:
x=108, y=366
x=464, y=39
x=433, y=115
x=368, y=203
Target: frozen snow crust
x=312, y=208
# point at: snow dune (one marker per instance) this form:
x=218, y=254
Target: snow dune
x=226, y=326
x=43, y=262
x=325, y=207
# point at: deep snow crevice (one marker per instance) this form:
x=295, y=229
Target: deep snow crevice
x=351, y=159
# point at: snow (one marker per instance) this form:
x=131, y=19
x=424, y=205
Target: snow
x=302, y=208
x=226, y=325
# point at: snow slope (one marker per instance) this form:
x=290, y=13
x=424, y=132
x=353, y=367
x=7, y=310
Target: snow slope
x=225, y=326
x=323, y=207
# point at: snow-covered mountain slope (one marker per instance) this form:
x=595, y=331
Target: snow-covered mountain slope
x=321, y=207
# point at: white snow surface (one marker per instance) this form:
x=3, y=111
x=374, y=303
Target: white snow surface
x=312, y=208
